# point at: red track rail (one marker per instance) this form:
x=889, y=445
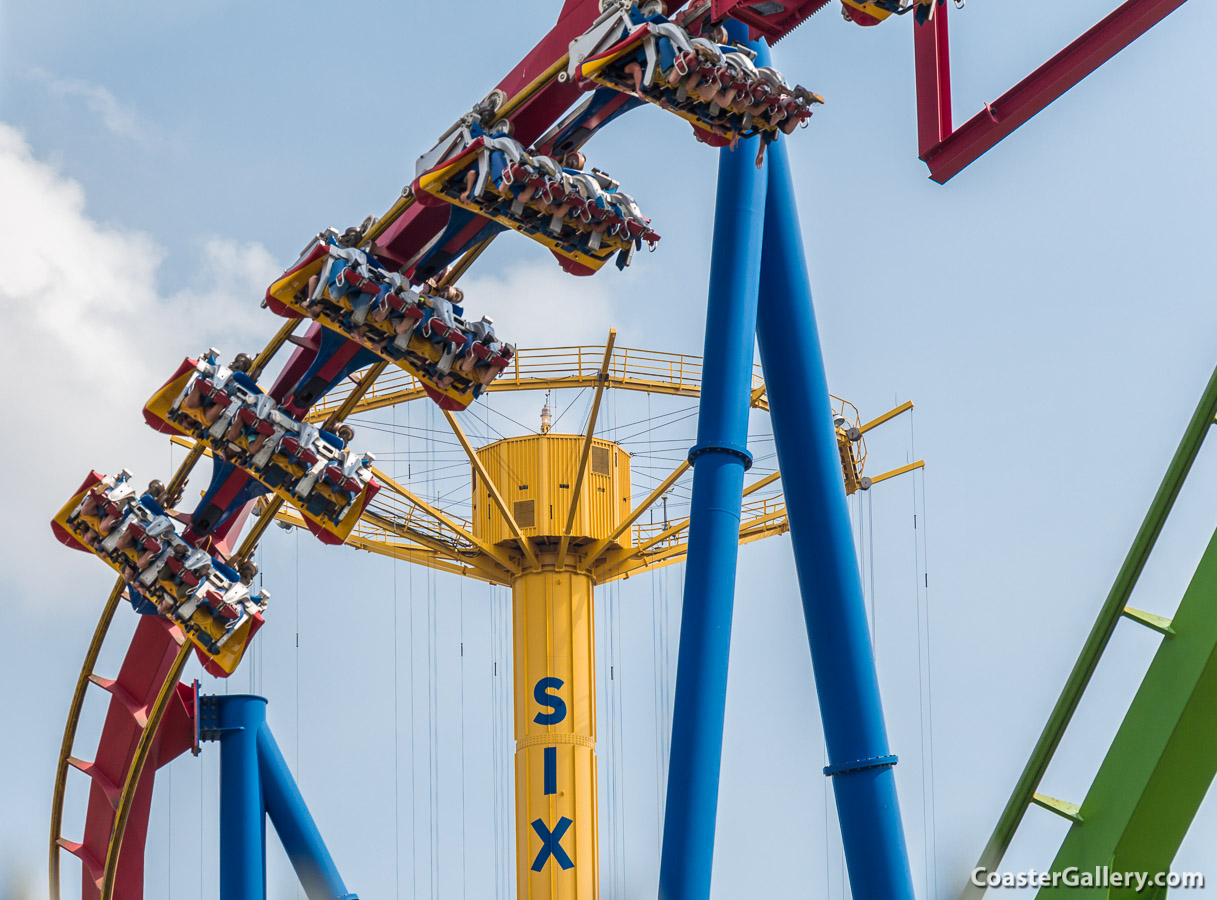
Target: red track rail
x=148, y=662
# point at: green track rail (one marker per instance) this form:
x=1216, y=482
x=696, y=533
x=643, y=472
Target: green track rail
x=1171, y=697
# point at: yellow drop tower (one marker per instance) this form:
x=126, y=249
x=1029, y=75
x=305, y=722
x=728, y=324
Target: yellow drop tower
x=552, y=518
x=563, y=493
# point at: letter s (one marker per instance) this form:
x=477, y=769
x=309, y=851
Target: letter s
x=541, y=694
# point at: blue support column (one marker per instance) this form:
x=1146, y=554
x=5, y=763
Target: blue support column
x=255, y=781
x=842, y=658
x=720, y=459
x=295, y=826
x=242, y=820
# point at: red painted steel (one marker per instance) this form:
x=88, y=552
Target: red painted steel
x=933, y=65
x=1019, y=104
x=766, y=18
x=404, y=240
x=132, y=693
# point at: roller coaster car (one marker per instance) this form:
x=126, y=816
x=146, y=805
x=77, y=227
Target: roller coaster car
x=349, y=292
x=137, y=538
x=228, y=412
x=717, y=89
x=872, y=12
x=581, y=217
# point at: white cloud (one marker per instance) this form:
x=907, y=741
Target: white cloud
x=88, y=334
x=118, y=117
x=536, y=304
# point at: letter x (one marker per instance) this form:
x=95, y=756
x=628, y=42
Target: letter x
x=551, y=844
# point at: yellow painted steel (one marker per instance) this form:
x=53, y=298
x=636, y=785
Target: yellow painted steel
x=537, y=475
x=904, y=407
x=919, y=464
x=290, y=288
x=446, y=182
x=554, y=642
x=585, y=449
x=599, y=70
x=870, y=9
x=555, y=728
x=479, y=472
x=69, y=732
x=552, y=368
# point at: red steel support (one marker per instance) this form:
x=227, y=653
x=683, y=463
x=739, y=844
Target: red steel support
x=933, y=65
x=1019, y=104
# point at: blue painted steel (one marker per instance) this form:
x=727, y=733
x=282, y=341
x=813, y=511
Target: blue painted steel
x=551, y=844
x=541, y=693
x=551, y=770
x=242, y=822
x=856, y=764
x=831, y=587
x=255, y=781
x=718, y=477
x=295, y=826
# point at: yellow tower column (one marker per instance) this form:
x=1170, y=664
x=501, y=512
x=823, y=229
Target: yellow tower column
x=558, y=494
x=555, y=728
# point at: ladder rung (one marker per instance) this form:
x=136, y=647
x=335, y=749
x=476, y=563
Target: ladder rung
x=1160, y=624
x=1062, y=808
x=94, y=867
x=100, y=778
x=138, y=711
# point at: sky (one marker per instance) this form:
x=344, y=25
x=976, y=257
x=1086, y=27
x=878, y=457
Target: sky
x=1049, y=312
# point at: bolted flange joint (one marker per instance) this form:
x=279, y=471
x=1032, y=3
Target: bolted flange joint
x=733, y=449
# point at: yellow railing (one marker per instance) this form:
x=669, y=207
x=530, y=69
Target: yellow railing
x=677, y=374
x=548, y=368
x=752, y=512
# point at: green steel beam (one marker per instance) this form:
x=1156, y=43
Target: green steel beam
x=1162, y=761
x=1100, y=634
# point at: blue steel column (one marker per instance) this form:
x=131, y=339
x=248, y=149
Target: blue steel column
x=295, y=826
x=242, y=820
x=255, y=781
x=842, y=658
x=720, y=458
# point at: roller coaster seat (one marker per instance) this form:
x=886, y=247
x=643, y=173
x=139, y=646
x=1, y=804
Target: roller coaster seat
x=534, y=185
x=392, y=328
x=160, y=568
x=713, y=85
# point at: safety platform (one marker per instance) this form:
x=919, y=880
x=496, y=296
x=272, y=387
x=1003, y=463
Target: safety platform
x=582, y=217
x=303, y=464
x=688, y=67
x=137, y=537
x=424, y=333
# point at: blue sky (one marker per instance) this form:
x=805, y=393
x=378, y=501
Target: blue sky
x=1050, y=312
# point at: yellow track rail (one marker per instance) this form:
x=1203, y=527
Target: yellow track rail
x=69, y=732
x=78, y=695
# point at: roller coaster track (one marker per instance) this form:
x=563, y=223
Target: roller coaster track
x=398, y=524
x=143, y=708
x=66, y=760
x=142, y=696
